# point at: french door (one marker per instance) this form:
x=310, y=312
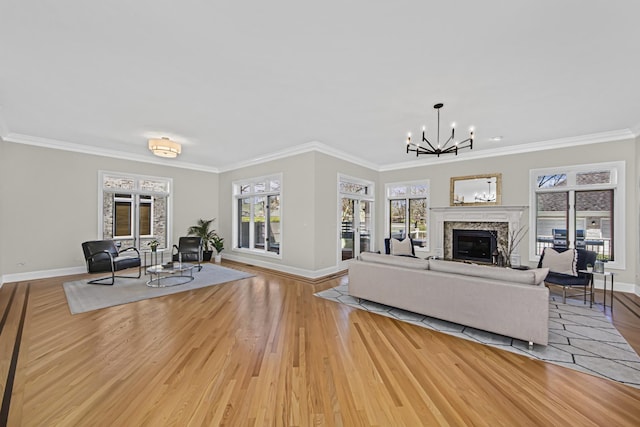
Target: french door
x=356, y=227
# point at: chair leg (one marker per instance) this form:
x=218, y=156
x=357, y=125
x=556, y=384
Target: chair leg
x=564, y=294
x=113, y=278
x=99, y=281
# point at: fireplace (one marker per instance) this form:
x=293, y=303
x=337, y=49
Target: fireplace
x=474, y=245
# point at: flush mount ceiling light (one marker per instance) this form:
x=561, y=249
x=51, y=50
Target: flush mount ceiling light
x=450, y=145
x=164, y=147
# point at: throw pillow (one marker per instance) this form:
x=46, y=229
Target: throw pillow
x=401, y=247
x=560, y=262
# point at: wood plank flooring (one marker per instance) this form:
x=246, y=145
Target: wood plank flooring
x=264, y=351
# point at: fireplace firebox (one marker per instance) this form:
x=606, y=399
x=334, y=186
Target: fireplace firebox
x=474, y=245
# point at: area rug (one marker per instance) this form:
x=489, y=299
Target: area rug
x=83, y=297
x=580, y=337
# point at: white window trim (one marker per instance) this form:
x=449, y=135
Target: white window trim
x=236, y=195
x=129, y=200
x=387, y=212
x=136, y=191
x=369, y=197
x=152, y=204
x=617, y=184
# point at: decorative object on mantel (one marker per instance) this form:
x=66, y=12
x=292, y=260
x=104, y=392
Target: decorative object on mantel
x=476, y=190
x=513, y=240
x=164, y=147
x=439, y=148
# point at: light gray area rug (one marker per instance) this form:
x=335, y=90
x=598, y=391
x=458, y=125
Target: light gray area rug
x=580, y=337
x=83, y=297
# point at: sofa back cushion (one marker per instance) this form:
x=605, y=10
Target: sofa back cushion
x=398, y=261
x=526, y=277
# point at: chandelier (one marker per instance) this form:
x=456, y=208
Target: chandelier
x=164, y=147
x=449, y=146
x=486, y=197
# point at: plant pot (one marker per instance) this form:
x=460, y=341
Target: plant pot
x=218, y=258
x=206, y=256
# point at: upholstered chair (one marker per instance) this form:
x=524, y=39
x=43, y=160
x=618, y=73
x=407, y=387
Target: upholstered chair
x=103, y=256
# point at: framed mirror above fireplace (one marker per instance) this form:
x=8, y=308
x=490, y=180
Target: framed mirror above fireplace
x=476, y=190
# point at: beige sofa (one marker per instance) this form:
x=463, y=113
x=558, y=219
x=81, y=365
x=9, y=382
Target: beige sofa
x=509, y=302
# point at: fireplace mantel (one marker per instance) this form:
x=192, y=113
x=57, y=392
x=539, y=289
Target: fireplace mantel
x=473, y=214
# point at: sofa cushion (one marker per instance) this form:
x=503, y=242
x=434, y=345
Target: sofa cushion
x=526, y=277
x=398, y=261
x=387, y=246
x=560, y=262
x=401, y=247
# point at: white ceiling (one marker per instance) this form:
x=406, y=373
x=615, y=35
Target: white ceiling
x=238, y=80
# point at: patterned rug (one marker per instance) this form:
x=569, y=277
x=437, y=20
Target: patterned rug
x=580, y=337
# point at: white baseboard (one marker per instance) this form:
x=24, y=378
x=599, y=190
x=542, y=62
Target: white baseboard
x=308, y=274
x=618, y=286
x=42, y=274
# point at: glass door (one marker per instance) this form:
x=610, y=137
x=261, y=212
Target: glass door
x=347, y=229
x=355, y=228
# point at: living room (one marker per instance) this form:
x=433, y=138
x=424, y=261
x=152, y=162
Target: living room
x=312, y=136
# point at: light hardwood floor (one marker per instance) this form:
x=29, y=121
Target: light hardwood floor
x=264, y=351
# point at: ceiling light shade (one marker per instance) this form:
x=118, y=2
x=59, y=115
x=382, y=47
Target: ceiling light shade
x=450, y=146
x=164, y=147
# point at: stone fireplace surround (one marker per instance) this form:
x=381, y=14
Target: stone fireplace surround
x=501, y=219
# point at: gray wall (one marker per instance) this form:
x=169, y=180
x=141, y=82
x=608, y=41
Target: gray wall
x=3, y=201
x=50, y=203
x=49, y=200
x=515, y=183
x=309, y=208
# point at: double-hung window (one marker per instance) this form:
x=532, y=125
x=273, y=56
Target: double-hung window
x=135, y=209
x=257, y=213
x=407, y=212
x=579, y=207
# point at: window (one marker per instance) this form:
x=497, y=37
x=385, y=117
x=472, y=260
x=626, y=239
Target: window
x=407, y=212
x=134, y=209
x=356, y=216
x=578, y=207
x=257, y=213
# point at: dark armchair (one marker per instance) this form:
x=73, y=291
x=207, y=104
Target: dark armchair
x=189, y=249
x=103, y=256
x=568, y=281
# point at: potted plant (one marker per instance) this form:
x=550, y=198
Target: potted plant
x=218, y=245
x=203, y=230
x=153, y=245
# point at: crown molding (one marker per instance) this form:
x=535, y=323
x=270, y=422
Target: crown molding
x=313, y=146
x=595, y=138
x=316, y=146
x=97, y=151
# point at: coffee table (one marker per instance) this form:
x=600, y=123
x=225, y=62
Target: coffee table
x=165, y=276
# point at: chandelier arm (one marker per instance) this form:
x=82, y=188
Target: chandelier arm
x=448, y=141
x=427, y=141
